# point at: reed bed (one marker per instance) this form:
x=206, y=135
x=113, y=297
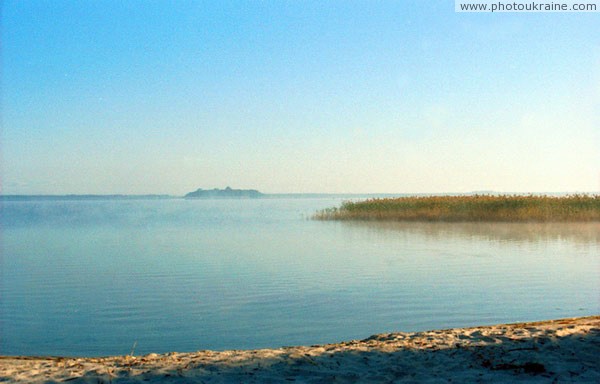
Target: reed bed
x=505, y=208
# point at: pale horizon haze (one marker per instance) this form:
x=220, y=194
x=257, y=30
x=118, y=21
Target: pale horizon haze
x=144, y=97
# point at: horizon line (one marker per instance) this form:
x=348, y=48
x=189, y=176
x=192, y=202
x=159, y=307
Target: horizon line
x=275, y=194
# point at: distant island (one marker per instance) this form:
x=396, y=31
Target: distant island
x=224, y=193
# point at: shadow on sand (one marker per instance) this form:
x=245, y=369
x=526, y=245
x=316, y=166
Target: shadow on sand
x=475, y=358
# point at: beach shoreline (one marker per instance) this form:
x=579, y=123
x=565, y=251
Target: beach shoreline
x=563, y=350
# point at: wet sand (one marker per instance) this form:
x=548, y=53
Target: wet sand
x=555, y=351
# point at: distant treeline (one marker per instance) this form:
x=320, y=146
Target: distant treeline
x=470, y=208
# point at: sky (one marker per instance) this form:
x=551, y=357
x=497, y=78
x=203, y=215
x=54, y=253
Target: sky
x=140, y=97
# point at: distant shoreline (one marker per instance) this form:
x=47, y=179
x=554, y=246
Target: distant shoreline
x=75, y=197
x=85, y=197
x=563, y=350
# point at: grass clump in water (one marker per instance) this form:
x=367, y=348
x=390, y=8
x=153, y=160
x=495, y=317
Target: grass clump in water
x=469, y=208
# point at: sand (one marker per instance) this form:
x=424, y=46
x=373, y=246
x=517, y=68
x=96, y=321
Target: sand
x=556, y=351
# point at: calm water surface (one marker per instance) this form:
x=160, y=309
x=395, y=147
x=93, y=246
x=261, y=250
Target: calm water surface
x=95, y=277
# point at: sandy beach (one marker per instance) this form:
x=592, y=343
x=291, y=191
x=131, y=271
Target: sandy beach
x=554, y=351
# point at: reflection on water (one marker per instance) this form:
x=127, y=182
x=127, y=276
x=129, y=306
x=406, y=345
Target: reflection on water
x=582, y=233
x=93, y=277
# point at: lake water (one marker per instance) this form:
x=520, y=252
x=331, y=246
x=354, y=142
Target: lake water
x=96, y=277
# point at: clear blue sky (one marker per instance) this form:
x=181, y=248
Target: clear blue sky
x=296, y=96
